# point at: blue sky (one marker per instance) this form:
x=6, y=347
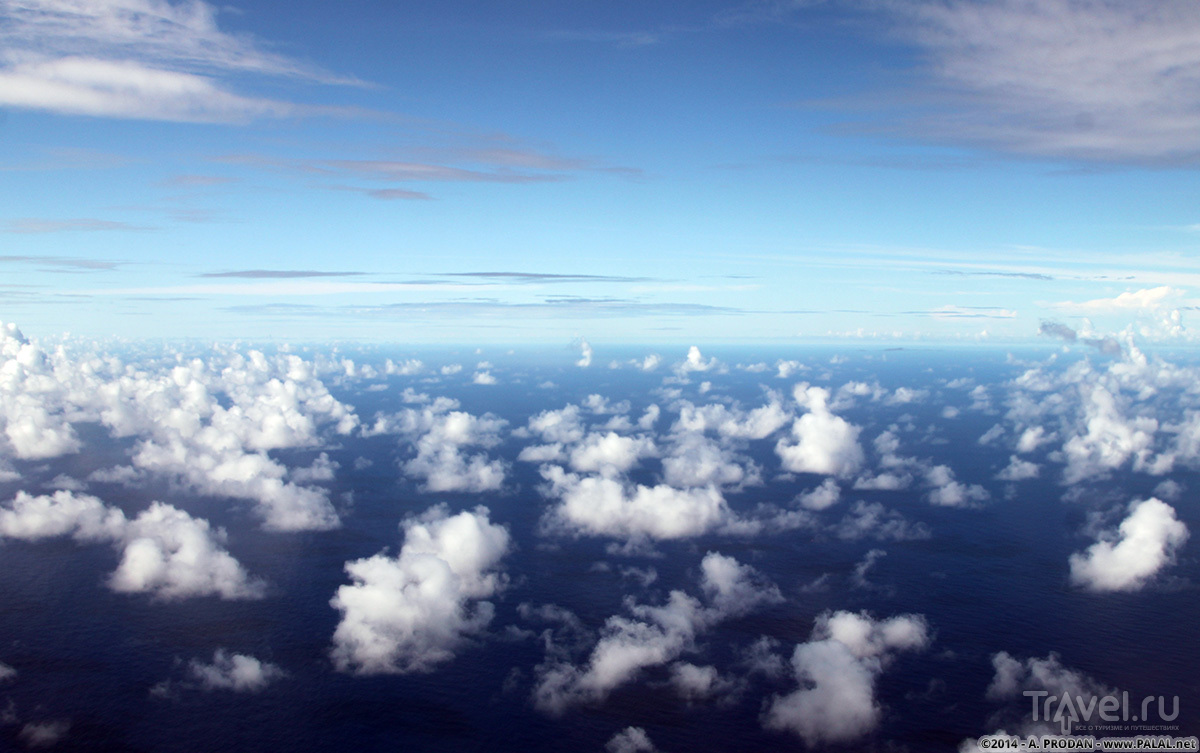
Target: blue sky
x=633, y=172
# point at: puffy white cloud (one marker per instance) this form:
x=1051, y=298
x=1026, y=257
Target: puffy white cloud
x=610, y=453
x=1018, y=470
x=483, y=377
x=208, y=424
x=694, y=460
x=824, y=496
x=237, y=672
x=1110, y=438
x=439, y=438
x=599, y=506
x=696, y=683
x=653, y=636
x=631, y=740
x=758, y=423
x=826, y=443
x=836, y=670
x=165, y=551
x=948, y=492
x=563, y=425
x=1126, y=559
x=585, y=355
x=6, y=672
x=411, y=612
x=1013, y=677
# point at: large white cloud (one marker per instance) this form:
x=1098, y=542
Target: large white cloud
x=1127, y=558
x=836, y=670
x=164, y=551
x=410, y=613
x=825, y=443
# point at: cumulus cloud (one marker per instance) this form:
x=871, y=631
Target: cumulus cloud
x=1110, y=438
x=630, y=740
x=237, y=672
x=44, y=734
x=600, y=506
x=948, y=492
x=411, y=612
x=164, y=551
x=694, y=460
x=207, y=424
x=585, y=354
x=1129, y=557
x=824, y=496
x=653, y=636
x=825, y=443
x=1018, y=470
x=836, y=670
x=440, y=436
x=609, y=454
x=1013, y=677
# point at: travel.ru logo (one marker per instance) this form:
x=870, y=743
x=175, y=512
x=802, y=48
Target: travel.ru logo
x=1069, y=710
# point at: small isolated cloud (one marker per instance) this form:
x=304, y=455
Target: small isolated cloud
x=824, y=496
x=484, y=377
x=237, y=672
x=836, y=670
x=6, y=672
x=585, y=355
x=441, y=437
x=1128, y=558
x=411, y=612
x=630, y=740
x=1018, y=470
x=44, y=734
x=825, y=443
x=946, y=491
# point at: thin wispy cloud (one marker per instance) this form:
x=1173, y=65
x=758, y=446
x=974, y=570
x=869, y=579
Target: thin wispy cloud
x=62, y=261
x=1092, y=80
x=276, y=274
x=142, y=59
x=79, y=224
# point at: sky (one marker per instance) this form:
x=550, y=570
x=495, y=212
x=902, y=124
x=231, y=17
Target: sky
x=615, y=172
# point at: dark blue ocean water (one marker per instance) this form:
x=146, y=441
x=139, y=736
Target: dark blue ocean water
x=987, y=580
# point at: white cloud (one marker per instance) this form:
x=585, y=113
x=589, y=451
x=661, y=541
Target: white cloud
x=824, y=496
x=598, y=506
x=585, y=354
x=146, y=59
x=563, y=425
x=694, y=460
x=836, y=670
x=411, y=612
x=1072, y=79
x=948, y=492
x=6, y=672
x=826, y=443
x=237, y=672
x=654, y=636
x=1110, y=439
x=483, y=377
x=609, y=454
x=164, y=551
x=1018, y=470
x=1126, y=559
x=630, y=740
x=874, y=521
x=439, y=438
